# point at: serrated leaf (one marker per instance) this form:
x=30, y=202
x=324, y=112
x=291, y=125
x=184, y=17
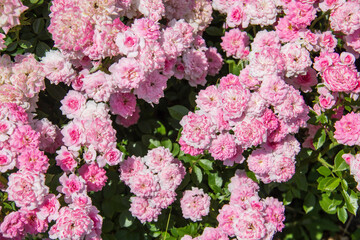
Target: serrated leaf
x=319, y=138
x=206, y=164
x=351, y=201
x=178, y=111
x=309, y=202
x=324, y=171
x=340, y=164
x=342, y=214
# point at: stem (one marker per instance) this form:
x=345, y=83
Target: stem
x=318, y=19
x=167, y=224
x=348, y=223
x=323, y=162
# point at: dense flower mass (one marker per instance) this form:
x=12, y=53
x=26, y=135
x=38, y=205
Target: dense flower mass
x=153, y=179
x=289, y=64
x=247, y=216
x=234, y=116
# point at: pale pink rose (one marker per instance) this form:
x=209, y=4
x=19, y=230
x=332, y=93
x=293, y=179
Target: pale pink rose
x=144, y=184
x=49, y=209
x=195, y=204
x=66, y=159
x=127, y=74
x=143, y=209
x=122, y=104
x=7, y=160
x=33, y=160
x=235, y=43
x=73, y=104
x=347, y=129
x=71, y=223
x=27, y=189
x=94, y=176
x=71, y=185
x=340, y=78
x=74, y=135
x=223, y=147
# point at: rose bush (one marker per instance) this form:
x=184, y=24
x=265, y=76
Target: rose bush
x=100, y=137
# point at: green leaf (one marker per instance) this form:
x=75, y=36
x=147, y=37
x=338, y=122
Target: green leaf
x=340, y=164
x=12, y=46
x=301, y=182
x=329, y=184
x=324, y=171
x=175, y=149
x=215, y=182
x=342, y=214
x=309, y=202
x=214, y=31
x=167, y=143
x=206, y=164
x=319, y=138
x=351, y=201
x=126, y=219
x=154, y=143
x=178, y=111
x=198, y=173
x=356, y=235
x=287, y=199
x=107, y=208
x=25, y=44
x=344, y=184
x=161, y=129
x=252, y=176
x=233, y=67
x=348, y=108
x=41, y=49
x=107, y=226
x=38, y=25
x=328, y=205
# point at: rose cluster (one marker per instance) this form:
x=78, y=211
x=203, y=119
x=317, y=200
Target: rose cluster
x=90, y=131
x=19, y=147
x=153, y=179
x=110, y=60
x=21, y=81
x=247, y=216
x=10, y=11
x=294, y=22
x=237, y=115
